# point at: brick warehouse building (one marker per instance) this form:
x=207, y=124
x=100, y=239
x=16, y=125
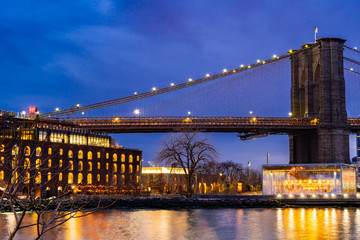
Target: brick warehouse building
x=54, y=158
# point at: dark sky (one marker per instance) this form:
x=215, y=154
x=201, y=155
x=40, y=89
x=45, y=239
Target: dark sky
x=58, y=53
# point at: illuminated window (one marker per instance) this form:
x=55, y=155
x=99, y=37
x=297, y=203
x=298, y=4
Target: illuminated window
x=49, y=163
x=38, y=151
x=80, y=154
x=49, y=176
x=90, y=166
x=122, y=168
x=89, y=178
x=89, y=155
x=114, y=157
x=71, y=154
x=123, y=178
x=137, y=179
x=98, y=177
x=130, y=168
x=60, y=177
x=49, y=151
x=2, y=159
x=80, y=166
x=13, y=163
x=115, y=168
x=15, y=177
x=98, y=165
x=122, y=157
x=98, y=154
x=60, y=163
x=130, y=158
x=107, y=155
x=61, y=152
x=38, y=163
x=26, y=163
x=15, y=150
x=38, y=178
x=71, y=165
x=137, y=168
x=70, y=178
x=60, y=189
x=80, y=178
x=27, y=178
x=107, y=178
x=2, y=148
x=1, y=175
x=115, y=179
x=107, y=166
x=27, y=151
x=137, y=158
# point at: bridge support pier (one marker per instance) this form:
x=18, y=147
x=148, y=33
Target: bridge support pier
x=318, y=91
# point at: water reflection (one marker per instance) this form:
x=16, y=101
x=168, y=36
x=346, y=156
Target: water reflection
x=291, y=223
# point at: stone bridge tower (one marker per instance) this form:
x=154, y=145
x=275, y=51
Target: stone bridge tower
x=318, y=91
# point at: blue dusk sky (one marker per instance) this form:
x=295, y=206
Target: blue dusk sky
x=59, y=53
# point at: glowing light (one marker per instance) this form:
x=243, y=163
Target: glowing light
x=279, y=195
x=290, y=114
x=23, y=112
x=302, y=195
x=274, y=56
x=190, y=79
x=326, y=195
x=263, y=62
x=332, y=195
x=207, y=75
x=77, y=105
x=251, y=112
x=135, y=93
x=345, y=195
x=290, y=51
x=258, y=61
x=154, y=88
x=358, y=195
x=82, y=113
x=290, y=195
x=242, y=65
x=57, y=109
x=172, y=84
x=224, y=70
x=189, y=112
x=314, y=195
x=249, y=66
x=351, y=69
x=137, y=111
x=355, y=48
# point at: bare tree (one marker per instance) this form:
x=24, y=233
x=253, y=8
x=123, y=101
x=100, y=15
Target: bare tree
x=51, y=212
x=189, y=151
x=233, y=174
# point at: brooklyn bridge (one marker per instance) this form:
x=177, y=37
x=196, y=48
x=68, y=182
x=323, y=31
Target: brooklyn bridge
x=310, y=94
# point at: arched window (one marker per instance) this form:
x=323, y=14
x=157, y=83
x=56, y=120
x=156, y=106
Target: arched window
x=49, y=151
x=107, y=178
x=38, y=151
x=71, y=165
x=137, y=168
x=60, y=189
x=89, y=155
x=90, y=166
x=61, y=152
x=130, y=158
x=89, y=178
x=107, y=155
x=1, y=175
x=60, y=177
x=60, y=163
x=38, y=178
x=2, y=159
x=27, y=151
x=70, y=178
x=38, y=163
x=130, y=168
x=80, y=166
x=122, y=168
x=80, y=178
x=122, y=157
x=138, y=158
x=15, y=150
x=98, y=177
x=49, y=163
x=70, y=154
x=27, y=178
x=107, y=166
x=80, y=155
x=2, y=148
x=26, y=163
x=115, y=179
x=115, y=167
x=49, y=176
x=98, y=154
x=137, y=179
x=98, y=165
x=114, y=157
x=123, y=178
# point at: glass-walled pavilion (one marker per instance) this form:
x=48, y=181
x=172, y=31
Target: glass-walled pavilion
x=329, y=178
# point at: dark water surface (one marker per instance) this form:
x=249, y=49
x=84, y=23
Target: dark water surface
x=290, y=223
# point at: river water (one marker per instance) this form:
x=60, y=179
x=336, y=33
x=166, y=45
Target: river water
x=286, y=223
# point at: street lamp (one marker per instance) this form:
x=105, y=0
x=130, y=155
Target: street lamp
x=137, y=111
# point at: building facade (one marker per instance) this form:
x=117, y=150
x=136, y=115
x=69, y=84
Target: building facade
x=49, y=159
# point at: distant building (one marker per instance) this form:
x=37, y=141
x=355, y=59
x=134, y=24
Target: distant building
x=64, y=157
